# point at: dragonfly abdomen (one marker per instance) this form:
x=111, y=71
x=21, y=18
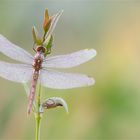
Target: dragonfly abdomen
x=37, y=65
x=33, y=90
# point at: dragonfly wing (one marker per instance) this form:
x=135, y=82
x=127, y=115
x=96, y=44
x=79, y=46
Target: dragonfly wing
x=15, y=72
x=69, y=60
x=54, y=21
x=60, y=80
x=13, y=51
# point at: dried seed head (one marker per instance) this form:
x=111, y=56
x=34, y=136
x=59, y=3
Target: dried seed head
x=54, y=102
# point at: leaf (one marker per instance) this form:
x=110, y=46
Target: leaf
x=47, y=21
x=54, y=19
x=37, y=39
x=46, y=15
x=54, y=102
x=48, y=46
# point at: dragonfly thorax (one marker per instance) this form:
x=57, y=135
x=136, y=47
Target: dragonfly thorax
x=38, y=59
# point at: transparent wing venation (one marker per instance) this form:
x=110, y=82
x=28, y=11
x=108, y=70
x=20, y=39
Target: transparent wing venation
x=15, y=72
x=69, y=60
x=61, y=80
x=13, y=51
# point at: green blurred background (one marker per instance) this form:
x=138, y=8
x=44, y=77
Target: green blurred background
x=107, y=111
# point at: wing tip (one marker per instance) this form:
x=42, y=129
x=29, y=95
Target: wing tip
x=90, y=53
x=93, y=52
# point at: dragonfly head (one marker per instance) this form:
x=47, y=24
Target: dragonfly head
x=41, y=49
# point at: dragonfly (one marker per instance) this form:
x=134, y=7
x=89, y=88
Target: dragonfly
x=39, y=68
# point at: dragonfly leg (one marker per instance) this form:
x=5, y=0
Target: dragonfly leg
x=34, y=47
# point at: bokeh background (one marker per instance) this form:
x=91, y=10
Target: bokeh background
x=110, y=110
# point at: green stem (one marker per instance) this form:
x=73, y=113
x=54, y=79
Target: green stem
x=37, y=135
x=38, y=115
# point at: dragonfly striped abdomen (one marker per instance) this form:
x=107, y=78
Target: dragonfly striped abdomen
x=37, y=65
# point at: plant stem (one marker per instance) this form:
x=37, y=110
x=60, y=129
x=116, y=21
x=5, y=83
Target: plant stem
x=37, y=135
x=38, y=115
